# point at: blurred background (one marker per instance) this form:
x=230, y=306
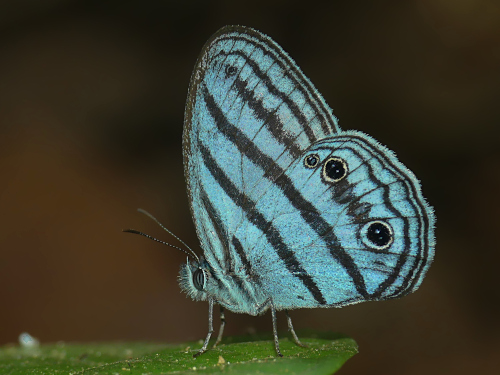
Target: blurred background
x=92, y=98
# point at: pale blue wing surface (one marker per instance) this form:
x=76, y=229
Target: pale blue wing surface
x=269, y=227
x=325, y=221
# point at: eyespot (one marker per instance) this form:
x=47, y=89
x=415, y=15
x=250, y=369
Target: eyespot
x=230, y=70
x=311, y=161
x=199, y=279
x=334, y=169
x=377, y=235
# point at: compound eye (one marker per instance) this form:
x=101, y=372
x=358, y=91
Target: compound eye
x=378, y=235
x=199, y=279
x=334, y=169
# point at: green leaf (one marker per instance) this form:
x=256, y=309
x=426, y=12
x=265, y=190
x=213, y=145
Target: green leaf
x=238, y=355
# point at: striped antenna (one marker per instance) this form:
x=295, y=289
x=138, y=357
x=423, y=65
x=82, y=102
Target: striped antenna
x=190, y=253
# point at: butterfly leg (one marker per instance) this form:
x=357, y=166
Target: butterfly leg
x=290, y=328
x=221, y=328
x=275, y=330
x=210, y=328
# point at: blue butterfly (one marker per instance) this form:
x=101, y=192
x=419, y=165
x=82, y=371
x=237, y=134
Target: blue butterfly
x=291, y=211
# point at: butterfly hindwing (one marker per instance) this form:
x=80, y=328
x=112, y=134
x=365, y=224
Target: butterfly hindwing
x=327, y=221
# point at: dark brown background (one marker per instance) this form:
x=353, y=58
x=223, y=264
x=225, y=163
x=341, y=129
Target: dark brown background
x=91, y=109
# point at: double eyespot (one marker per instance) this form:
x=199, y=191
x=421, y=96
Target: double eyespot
x=199, y=279
x=377, y=235
x=334, y=168
x=311, y=161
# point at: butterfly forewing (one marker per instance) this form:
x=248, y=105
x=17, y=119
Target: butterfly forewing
x=248, y=104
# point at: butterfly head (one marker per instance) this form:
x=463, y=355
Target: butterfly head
x=198, y=279
x=202, y=282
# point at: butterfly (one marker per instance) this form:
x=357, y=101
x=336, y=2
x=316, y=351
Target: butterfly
x=291, y=211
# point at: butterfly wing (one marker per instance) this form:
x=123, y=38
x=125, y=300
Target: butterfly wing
x=356, y=222
x=251, y=118
x=246, y=95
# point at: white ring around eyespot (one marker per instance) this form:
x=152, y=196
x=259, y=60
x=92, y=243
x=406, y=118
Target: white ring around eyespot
x=328, y=179
x=312, y=166
x=367, y=242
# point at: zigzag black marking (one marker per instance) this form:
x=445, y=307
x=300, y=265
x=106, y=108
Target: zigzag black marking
x=271, y=120
x=305, y=88
x=244, y=260
x=410, y=190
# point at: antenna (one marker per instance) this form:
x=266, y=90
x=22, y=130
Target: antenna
x=190, y=253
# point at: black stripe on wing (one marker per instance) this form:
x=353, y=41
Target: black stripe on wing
x=418, y=206
x=238, y=247
x=221, y=232
x=257, y=218
x=283, y=96
x=271, y=120
x=276, y=175
x=411, y=191
x=286, y=64
x=388, y=204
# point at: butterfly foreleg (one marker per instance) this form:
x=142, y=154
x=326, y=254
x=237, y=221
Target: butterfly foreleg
x=221, y=328
x=290, y=328
x=210, y=328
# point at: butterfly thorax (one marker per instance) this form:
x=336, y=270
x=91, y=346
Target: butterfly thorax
x=234, y=290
